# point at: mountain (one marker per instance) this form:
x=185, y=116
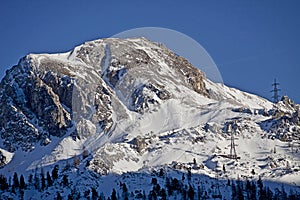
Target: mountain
x=122, y=110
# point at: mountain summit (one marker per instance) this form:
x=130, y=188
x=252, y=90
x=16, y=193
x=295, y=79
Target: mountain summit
x=115, y=106
x=42, y=92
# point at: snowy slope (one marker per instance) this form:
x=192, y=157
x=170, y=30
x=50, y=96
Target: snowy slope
x=137, y=107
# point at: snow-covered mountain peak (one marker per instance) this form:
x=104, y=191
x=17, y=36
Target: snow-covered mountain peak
x=131, y=105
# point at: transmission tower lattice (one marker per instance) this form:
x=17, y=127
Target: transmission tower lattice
x=232, y=154
x=232, y=147
x=275, y=91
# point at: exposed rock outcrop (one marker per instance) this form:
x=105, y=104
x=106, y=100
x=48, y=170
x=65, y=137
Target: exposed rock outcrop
x=32, y=106
x=47, y=95
x=285, y=120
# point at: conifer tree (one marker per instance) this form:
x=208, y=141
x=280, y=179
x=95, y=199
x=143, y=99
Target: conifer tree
x=74, y=194
x=30, y=179
x=189, y=175
x=22, y=182
x=49, y=179
x=16, y=180
x=154, y=181
x=233, y=191
x=94, y=194
x=43, y=180
x=240, y=194
x=161, y=172
x=102, y=197
x=269, y=194
x=3, y=183
x=58, y=196
x=22, y=194
x=152, y=195
x=259, y=183
x=55, y=172
x=228, y=182
x=125, y=191
x=86, y=194
x=184, y=194
x=36, y=182
x=191, y=192
x=163, y=194
x=65, y=180
x=199, y=192
x=168, y=186
x=13, y=189
x=284, y=194
x=253, y=191
x=114, y=195
x=182, y=177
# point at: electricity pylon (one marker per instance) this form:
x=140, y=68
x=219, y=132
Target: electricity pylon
x=275, y=91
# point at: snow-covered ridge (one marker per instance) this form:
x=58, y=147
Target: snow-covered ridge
x=115, y=106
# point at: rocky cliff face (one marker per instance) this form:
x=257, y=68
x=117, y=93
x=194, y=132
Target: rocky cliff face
x=32, y=106
x=285, y=121
x=44, y=96
x=157, y=66
x=194, y=77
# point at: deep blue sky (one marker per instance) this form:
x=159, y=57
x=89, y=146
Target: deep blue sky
x=252, y=42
